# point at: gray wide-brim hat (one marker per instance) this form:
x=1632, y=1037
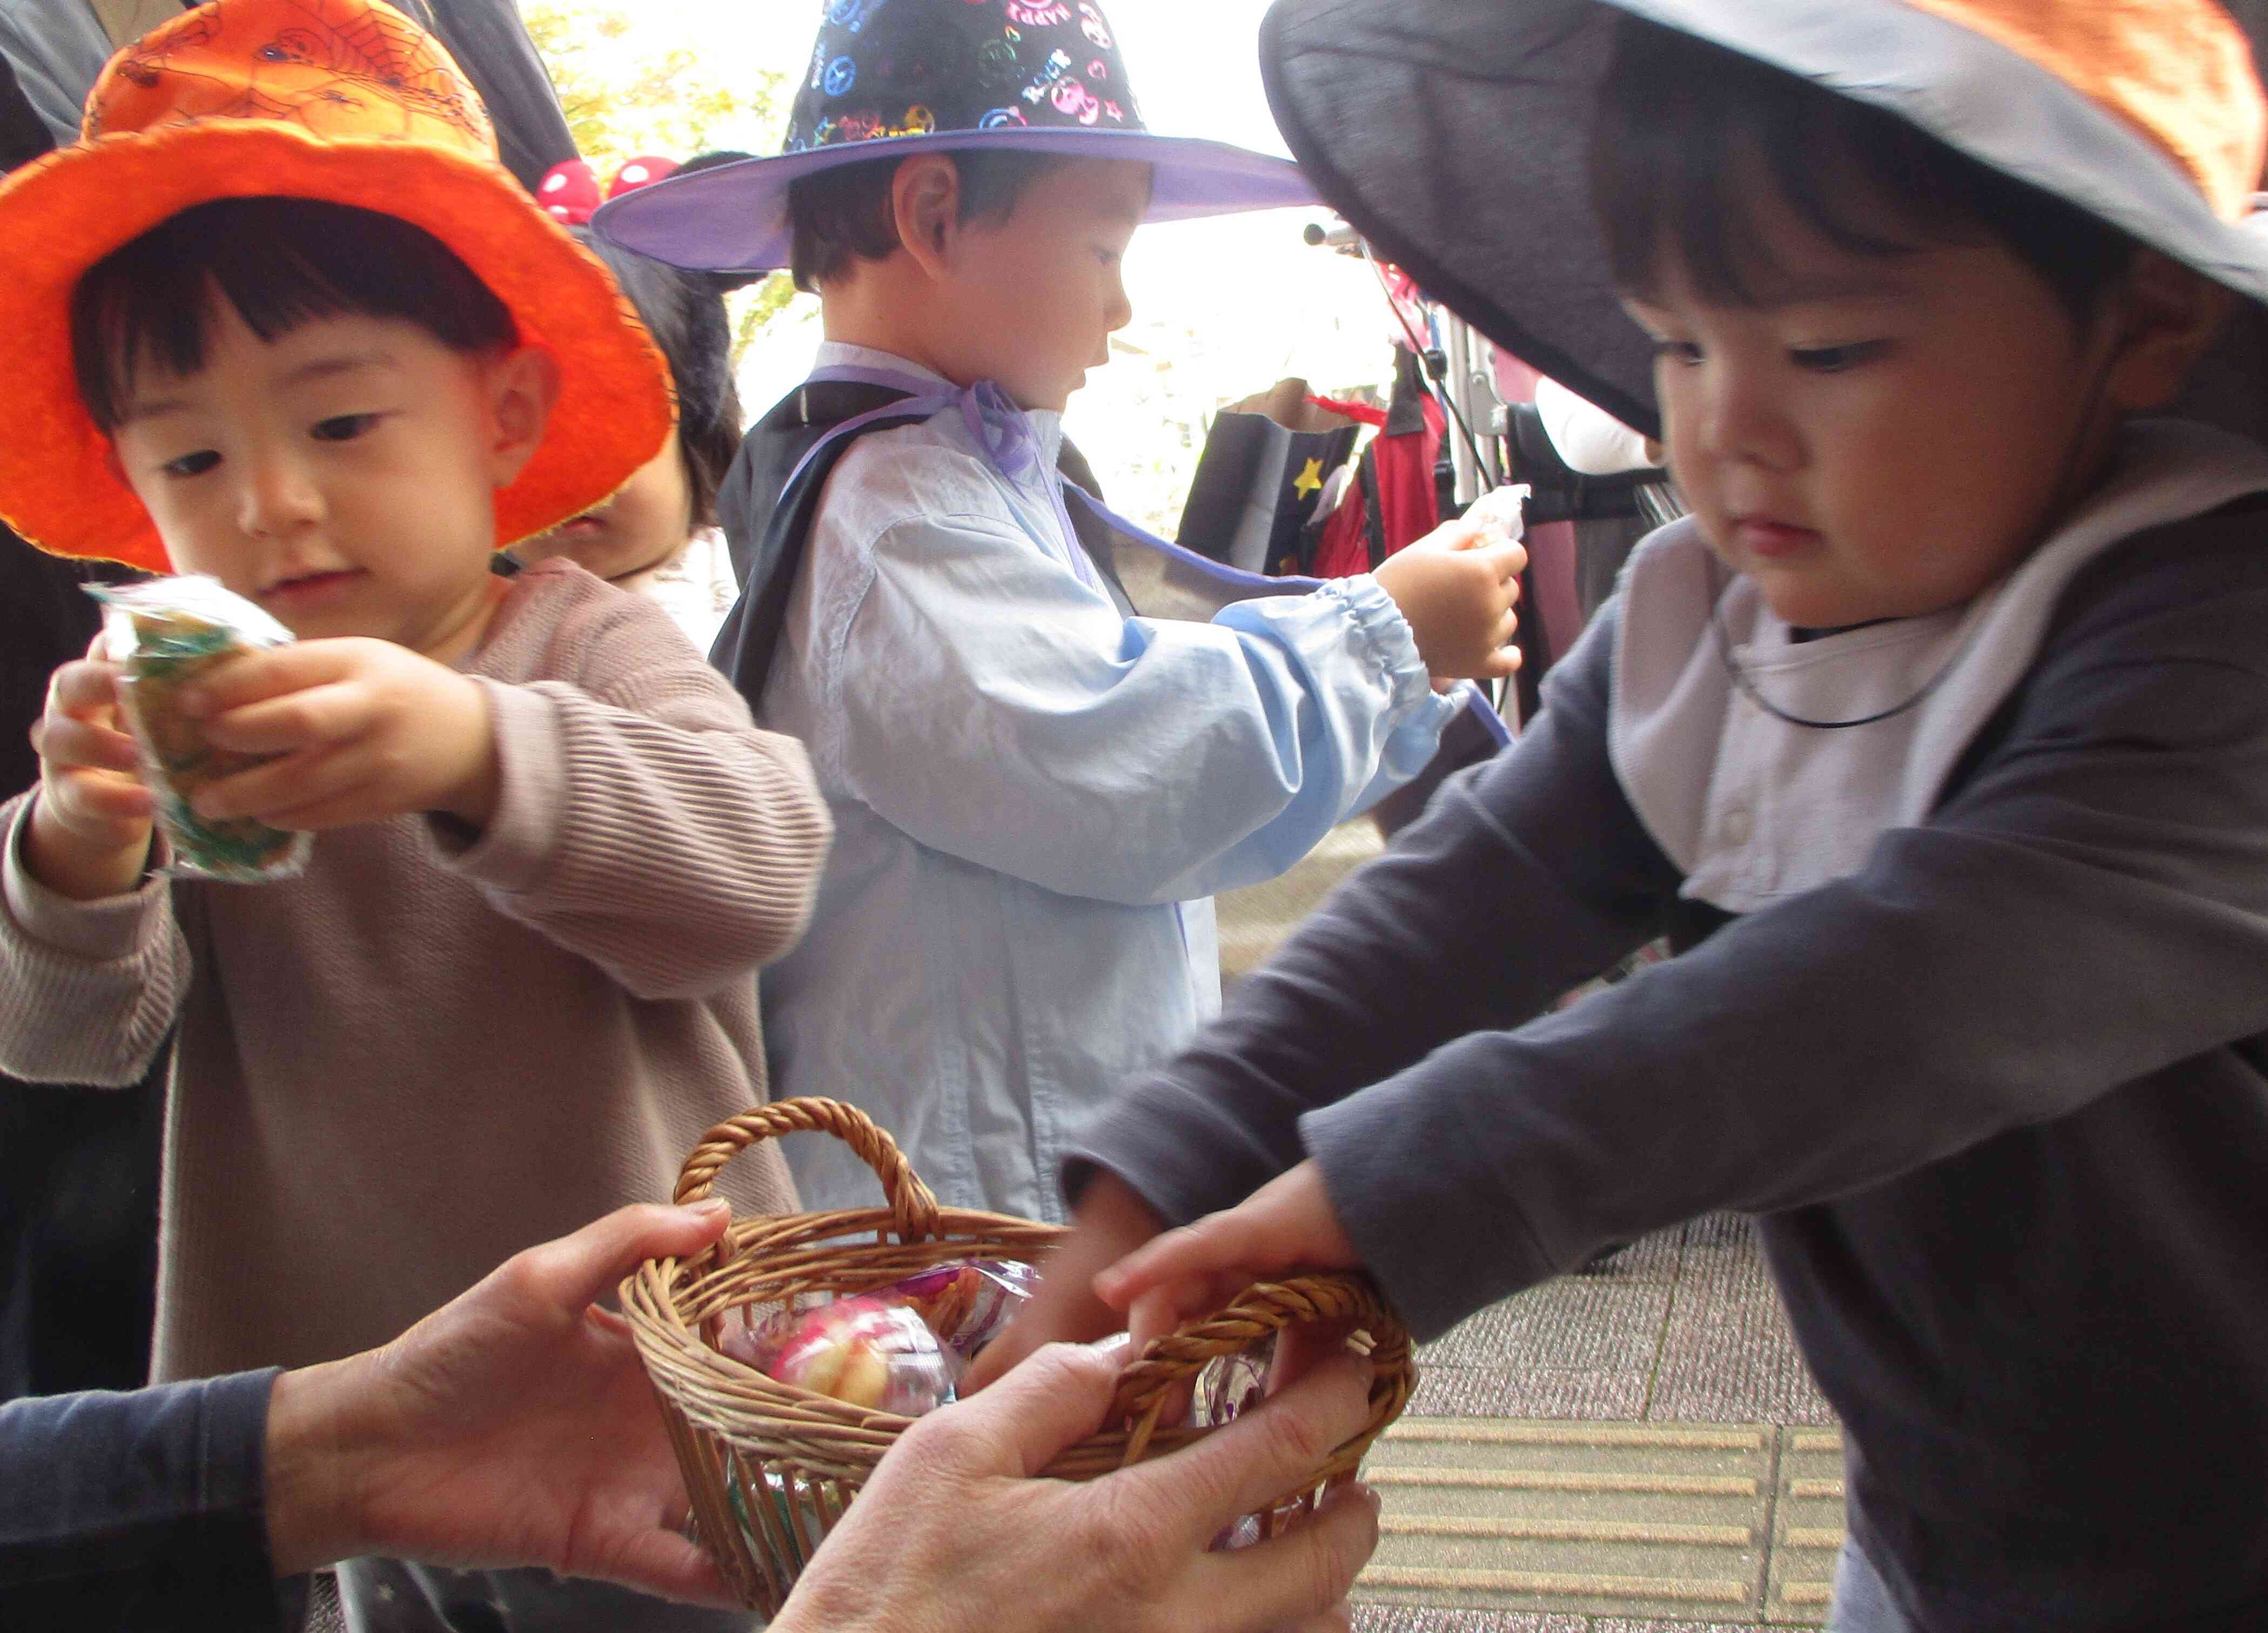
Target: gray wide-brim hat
x=892, y=78
x=1453, y=133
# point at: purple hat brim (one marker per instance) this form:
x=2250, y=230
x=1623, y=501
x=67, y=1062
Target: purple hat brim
x=734, y=218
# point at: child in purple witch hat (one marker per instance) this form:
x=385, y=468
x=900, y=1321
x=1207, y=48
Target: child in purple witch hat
x=1036, y=791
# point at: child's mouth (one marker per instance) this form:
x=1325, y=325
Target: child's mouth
x=310, y=588
x=1772, y=541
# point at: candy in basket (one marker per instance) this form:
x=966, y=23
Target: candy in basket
x=772, y=1463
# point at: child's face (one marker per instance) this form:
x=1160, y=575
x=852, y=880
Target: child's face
x=1036, y=299
x=343, y=475
x=1883, y=437
x=640, y=528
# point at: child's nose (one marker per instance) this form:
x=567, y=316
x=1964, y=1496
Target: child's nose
x=277, y=497
x=1740, y=420
x=1120, y=311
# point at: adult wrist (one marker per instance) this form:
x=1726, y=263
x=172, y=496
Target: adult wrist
x=313, y=1471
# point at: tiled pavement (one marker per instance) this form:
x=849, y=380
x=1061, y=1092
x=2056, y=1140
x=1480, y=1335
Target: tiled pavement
x=1639, y=1441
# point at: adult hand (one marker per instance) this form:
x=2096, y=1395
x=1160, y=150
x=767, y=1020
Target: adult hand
x=1111, y=1221
x=365, y=729
x=1457, y=586
x=512, y=1427
x=953, y=1532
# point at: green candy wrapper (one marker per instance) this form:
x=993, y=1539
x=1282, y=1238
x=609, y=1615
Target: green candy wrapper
x=166, y=633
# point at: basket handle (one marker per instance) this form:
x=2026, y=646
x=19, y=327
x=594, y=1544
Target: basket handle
x=1299, y=1300
x=911, y=1204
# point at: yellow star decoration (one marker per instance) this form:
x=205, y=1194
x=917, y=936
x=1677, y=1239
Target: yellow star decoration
x=1309, y=481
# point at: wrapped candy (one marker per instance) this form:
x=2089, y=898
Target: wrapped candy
x=871, y=1351
x=1228, y=1387
x=166, y=634
x=968, y=1303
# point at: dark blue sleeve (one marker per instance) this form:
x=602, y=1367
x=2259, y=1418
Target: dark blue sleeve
x=144, y=1511
x=1527, y=875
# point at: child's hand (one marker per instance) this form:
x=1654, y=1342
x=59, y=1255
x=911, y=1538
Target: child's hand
x=1287, y=1223
x=1457, y=586
x=89, y=836
x=368, y=730
x=1112, y=1222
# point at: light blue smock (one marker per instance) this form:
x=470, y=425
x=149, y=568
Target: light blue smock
x=1034, y=799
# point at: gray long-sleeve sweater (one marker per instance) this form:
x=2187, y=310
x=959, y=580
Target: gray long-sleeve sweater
x=2000, y=1097
x=422, y=1055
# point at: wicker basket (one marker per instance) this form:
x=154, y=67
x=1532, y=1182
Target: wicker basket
x=771, y=1467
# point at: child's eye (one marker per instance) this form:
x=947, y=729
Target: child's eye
x=1680, y=351
x=1108, y=257
x=191, y=464
x=344, y=427
x=1835, y=359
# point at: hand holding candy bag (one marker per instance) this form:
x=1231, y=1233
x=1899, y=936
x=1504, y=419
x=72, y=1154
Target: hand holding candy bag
x=166, y=634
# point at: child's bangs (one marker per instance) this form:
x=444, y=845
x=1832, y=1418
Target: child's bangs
x=1690, y=144
x=279, y=263
x=1686, y=142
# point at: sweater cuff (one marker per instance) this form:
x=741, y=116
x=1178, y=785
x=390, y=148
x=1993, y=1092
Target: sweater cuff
x=513, y=853
x=1178, y=1149
x=103, y=931
x=1441, y=1239
x=1386, y=634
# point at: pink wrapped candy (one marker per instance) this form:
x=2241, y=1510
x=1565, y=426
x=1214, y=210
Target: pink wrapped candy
x=869, y=1350
x=968, y=1303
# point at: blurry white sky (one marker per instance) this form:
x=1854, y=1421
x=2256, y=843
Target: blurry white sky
x=1222, y=308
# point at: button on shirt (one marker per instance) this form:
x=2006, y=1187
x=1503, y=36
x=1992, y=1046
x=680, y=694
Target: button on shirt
x=1034, y=798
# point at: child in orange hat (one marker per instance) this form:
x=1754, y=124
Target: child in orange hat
x=281, y=318
x=1936, y=740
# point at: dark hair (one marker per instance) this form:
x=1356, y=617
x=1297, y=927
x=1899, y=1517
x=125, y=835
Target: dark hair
x=280, y=263
x=684, y=311
x=843, y=215
x=1680, y=126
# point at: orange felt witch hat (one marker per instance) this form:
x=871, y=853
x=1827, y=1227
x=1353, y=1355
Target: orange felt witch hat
x=342, y=100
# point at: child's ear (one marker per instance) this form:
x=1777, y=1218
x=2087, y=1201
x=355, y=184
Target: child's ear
x=523, y=385
x=2165, y=316
x=925, y=202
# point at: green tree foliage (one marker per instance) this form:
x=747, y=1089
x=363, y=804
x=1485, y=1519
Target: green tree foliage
x=622, y=101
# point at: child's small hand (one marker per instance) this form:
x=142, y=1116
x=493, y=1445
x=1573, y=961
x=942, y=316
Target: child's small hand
x=1112, y=1221
x=89, y=836
x=367, y=730
x=1287, y=1223
x=1457, y=586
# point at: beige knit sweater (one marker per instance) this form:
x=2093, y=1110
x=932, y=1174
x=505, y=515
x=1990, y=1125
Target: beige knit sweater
x=419, y=1058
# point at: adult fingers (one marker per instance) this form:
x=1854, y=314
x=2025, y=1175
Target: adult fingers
x=1055, y=1396
x=1299, y=1580
x=673, y=1566
x=576, y=1271
x=1252, y=1462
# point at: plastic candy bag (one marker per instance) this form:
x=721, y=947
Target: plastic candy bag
x=168, y=633
x=968, y=1304
x=870, y=1351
